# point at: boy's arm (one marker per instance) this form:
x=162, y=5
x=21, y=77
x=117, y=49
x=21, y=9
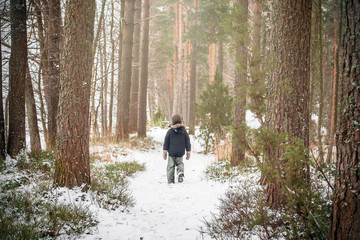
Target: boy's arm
x=166, y=145
x=187, y=146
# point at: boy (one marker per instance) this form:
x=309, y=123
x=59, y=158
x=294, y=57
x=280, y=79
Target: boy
x=175, y=143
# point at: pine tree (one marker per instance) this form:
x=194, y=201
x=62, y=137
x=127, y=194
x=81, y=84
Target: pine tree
x=214, y=110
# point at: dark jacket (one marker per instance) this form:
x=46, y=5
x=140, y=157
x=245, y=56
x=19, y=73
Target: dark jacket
x=176, y=141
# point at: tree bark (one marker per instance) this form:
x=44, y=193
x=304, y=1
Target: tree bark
x=17, y=75
x=119, y=95
x=144, y=70
x=72, y=167
x=288, y=84
x=106, y=85
x=2, y=121
x=53, y=84
x=238, y=151
x=334, y=102
x=134, y=98
x=125, y=74
x=193, y=66
x=31, y=113
x=212, y=62
x=111, y=104
x=321, y=87
x=345, y=219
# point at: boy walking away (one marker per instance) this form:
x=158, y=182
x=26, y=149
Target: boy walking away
x=175, y=143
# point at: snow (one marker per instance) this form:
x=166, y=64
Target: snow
x=162, y=211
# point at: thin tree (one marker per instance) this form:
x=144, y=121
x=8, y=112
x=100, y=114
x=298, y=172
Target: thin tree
x=2, y=125
x=345, y=219
x=288, y=87
x=321, y=80
x=17, y=75
x=134, y=98
x=72, y=166
x=122, y=129
x=53, y=83
x=144, y=70
x=31, y=113
x=193, y=68
x=112, y=39
x=334, y=102
x=238, y=151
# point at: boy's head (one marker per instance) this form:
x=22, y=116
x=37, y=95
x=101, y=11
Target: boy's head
x=176, y=119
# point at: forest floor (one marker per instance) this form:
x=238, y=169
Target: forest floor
x=162, y=210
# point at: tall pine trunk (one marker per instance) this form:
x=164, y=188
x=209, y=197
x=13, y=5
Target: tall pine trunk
x=334, y=102
x=72, y=167
x=144, y=70
x=193, y=66
x=288, y=87
x=122, y=131
x=345, y=219
x=31, y=113
x=134, y=98
x=112, y=79
x=238, y=150
x=53, y=83
x=321, y=84
x=2, y=120
x=17, y=75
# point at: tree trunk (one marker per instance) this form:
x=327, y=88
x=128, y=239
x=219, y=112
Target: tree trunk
x=72, y=167
x=125, y=74
x=212, y=62
x=334, y=102
x=345, y=219
x=144, y=70
x=193, y=66
x=111, y=104
x=2, y=121
x=53, y=84
x=106, y=84
x=288, y=85
x=93, y=78
x=31, y=113
x=238, y=151
x=134, y=98
x=43, y=71
x=119, y=95
x=321, y=87
x=17, y=75
x=220, y=57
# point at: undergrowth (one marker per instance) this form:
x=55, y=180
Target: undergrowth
x=30, y=208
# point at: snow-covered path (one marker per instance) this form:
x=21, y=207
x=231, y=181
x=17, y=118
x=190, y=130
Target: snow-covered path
x=163, y=211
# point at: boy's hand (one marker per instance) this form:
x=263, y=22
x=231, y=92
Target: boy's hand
x=165, y=154
x=187, y=155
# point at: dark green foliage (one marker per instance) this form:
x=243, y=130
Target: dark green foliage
x=36, y=161
x=110, y=184
x=158, y=118
x=214, y=111
x=25, y=215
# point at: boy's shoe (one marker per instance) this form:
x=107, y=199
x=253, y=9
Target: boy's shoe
x=180, y=177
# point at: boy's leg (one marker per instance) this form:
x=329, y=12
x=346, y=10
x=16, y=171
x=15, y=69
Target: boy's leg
x=170, y=170
x=179, y=164
x=180, y=169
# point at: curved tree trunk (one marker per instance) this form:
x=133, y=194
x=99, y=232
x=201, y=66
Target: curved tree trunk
x=17, y=75
x=144, y=70
x=72, y=166
x=345, y=220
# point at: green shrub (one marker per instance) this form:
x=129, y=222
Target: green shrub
x=36, y=161
x=25, y=215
